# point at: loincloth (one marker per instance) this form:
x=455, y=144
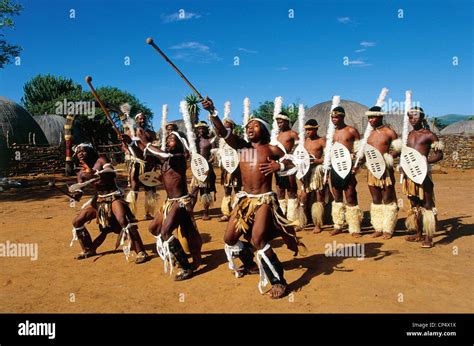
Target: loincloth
x=245, y=208
x=103, y=205
x=137, y=167
x=386, y=179
x=185, y=237
x=314, y=179
x=412, y=189
x=338, y=183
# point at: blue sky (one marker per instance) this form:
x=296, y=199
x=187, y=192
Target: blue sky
x=299, y=58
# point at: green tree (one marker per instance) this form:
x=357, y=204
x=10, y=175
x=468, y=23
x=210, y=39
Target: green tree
x=265, y=111
x=7, y=51
x=438, y=123
x=41, y=93
x=193, y=107
x=44, y=93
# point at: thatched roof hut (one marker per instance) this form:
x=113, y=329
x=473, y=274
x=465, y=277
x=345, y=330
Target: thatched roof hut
x=17, y=126
x=465, y=127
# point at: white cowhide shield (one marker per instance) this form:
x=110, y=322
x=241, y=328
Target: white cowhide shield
x=229, y=158
x=150, y=179
x=414, y=164
x=374, y=161
x=199, y=167
x=302, y=161
x=341, y=160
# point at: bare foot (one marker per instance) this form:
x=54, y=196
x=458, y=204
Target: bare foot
x=317, y=230
x=386, y=235
x=336, y=231
x=205, y=217
x=277, y=291
x=224, y=218
x=415, y=237
x=356, y=235
x=141, y=257
x=183, y=275
x=84, y=255
x=376, y=234
x=427, y=243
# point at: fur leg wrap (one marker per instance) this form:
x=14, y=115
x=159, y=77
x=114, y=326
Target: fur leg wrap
x=411, y=221
x=338, y=214
x=301, y=212
x=151, y=198
x=225, y=205
x=291, y=212
x=354, y=218
x=206, y=200
x=317, y=213
x=377, y=217
x=131, y=199
x=390, y=212
x=283, y=205
x=270, y=269
x=429, y=222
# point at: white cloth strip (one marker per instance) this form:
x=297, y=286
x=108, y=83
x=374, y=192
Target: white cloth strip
x=263, y=276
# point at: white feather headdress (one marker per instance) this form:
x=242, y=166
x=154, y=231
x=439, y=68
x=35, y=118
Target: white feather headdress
x=183, y=108
x=336, y=100
x=226, y=110
x=369, y=129
x=164, y=120
x=278, y=106
x=301, y=121
x=408, y=95
x=246, y=114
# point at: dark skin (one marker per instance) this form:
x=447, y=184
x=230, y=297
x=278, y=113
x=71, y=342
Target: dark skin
x=140, y=131
x=346, y=135
x=173, y=172
x=314, y=145
x=256, y=179
x=204, y=146
x=421, y=139
x=287, y=137
x=103, y=186
x=381, y=138
x=228, y=189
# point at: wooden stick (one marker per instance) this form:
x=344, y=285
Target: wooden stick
x=89, y=82
x=153, y=44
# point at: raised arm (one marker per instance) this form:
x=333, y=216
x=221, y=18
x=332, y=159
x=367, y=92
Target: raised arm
x=231, y=139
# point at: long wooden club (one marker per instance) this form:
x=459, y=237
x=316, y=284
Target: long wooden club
x=153, y=44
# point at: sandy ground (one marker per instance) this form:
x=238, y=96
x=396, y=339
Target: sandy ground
x=395, y=276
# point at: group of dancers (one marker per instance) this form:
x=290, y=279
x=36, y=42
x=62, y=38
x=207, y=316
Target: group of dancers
x=314, y=175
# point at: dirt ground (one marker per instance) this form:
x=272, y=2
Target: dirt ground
x=394, y=277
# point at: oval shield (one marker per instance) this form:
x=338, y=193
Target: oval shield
x=199, y=167
x=303, y=161
x=414, y=164
x=150, y=179
x=374, y=161
x=341, y=160
x=229, y=158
